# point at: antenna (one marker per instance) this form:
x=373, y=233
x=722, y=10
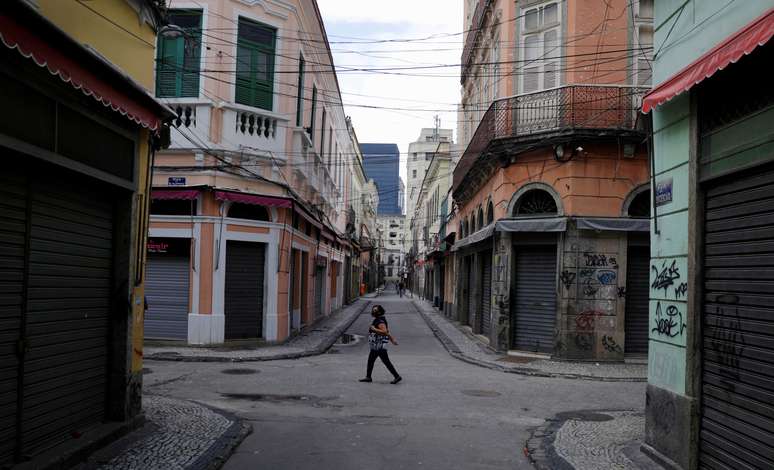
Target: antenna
x=436, y=131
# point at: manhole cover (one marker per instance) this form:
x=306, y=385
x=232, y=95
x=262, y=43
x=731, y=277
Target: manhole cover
x=145, y=371
x=239, y=371
x=481, y=393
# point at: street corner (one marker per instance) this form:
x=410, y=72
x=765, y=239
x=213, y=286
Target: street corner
x=590, y=439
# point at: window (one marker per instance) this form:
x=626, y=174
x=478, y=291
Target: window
x=540, y=39
x=490, y=213
x=322, y=136
x=413, y=173
x=645, y=9
x=172, y=207
x=255, y=64
x=480, y=218
x=644, y=70
x=300, y=93
x=535, y=202
x=248, y=211
x=177, y=67
x=314, y=112
x=414, y=156
x=640, y=205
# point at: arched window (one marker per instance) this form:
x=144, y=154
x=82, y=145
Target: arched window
x=472, y=223
x=480, y=218
x=248, y=211
x=462, y=228
x=490, y=213
x=535, y=202
x=640, y=205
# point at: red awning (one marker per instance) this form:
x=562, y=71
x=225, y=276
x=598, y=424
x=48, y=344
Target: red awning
x=37, y=39
x=254, y=199
x=174, y=194
x=729, y=51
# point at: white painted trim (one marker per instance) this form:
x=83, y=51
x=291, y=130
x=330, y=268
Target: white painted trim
x=195, y=279
x=270, y=280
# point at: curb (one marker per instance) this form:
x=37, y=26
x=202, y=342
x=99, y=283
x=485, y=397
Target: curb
x=321, y=349
x=455, y=352
x=219, y=453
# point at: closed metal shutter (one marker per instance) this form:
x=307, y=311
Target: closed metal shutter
x=737, y=411
x=244, y=289
x=471, y=292
x=319, y=282
x=486, y=293
x=167, y=289
x=637, y=299
x=535, y=302
x=68, y=306
x=13, y=223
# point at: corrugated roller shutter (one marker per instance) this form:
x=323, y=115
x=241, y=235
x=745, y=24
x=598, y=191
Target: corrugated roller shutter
x=244, y=289
x=471, y=291
x=637, y=299
x=486, y=293
x=737, y=424
x=319, y=282
x=70, y=271
x=535, y=303
x=167, y=289
x=13, y=222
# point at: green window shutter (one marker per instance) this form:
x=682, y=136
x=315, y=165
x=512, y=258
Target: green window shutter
x=189, y=86
x=169, y=64
x=255, y=65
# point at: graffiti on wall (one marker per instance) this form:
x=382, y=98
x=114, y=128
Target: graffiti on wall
x=567, y=278
x=599, y=260
x=669, y=321
x=665, y=276
x=586, y=320
x=726, y=343
x=682, y=290
x=610, y=345
x=622, y=292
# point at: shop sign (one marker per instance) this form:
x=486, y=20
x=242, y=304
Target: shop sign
x=176, y=181
x=664, y=192
x=170, y=246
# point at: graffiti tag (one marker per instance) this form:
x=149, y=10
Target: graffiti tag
x=666, y=276
x=607, y=277
x=610, y=345
x=669, y=323
x=681, y=290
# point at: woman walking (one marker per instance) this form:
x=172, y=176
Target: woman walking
x=378, y=336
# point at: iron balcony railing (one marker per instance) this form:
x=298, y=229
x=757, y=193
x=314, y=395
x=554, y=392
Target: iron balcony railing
x=473, y=34
x=581, y=107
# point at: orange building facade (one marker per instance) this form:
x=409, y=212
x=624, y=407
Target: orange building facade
x=552, y=191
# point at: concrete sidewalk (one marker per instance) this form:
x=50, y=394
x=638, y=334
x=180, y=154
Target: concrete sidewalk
x=464, y=346
x=315, y=340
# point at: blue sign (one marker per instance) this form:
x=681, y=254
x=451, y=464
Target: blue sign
x=176, y=181
x=663, y=192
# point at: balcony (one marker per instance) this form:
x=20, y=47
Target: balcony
x=571, y=109
x=245, y=127
x=192, y=123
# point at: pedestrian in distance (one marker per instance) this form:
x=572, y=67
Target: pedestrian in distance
x=400, y=288
x=378, y=337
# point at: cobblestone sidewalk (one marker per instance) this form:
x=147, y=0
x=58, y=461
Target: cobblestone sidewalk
x=315, y=341
x=590, y=440
x=178, y=435
x=465, y=347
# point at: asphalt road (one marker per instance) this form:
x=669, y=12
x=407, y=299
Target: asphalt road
x=312, y=413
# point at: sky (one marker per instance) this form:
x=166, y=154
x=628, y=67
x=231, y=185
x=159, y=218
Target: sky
x=422, y=97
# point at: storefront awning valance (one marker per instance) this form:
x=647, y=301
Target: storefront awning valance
x=174, y=194
x=719, y=57
x=615, y=224
x=36, y=38
x=537, y=224
x=474, y=238
x=254, y=199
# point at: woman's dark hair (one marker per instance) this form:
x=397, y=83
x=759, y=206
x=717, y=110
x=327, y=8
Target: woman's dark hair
x=379, y=310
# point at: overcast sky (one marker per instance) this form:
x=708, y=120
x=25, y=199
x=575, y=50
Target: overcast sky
x=423, y=97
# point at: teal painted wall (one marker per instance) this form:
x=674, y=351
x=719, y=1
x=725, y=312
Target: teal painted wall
x=696, y=27
x=701, y=25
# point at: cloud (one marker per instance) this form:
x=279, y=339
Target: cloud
x=424, y=97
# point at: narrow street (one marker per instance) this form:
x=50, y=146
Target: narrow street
x=313, y=413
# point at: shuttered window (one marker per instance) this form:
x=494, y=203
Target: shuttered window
x=541, y=48
x=255, y=64
x=300, y=95
x=177, y=66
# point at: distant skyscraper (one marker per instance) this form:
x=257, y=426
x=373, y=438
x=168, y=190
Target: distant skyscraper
x=382, y=163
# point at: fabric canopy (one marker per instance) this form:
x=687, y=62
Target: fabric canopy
x=254, y=199
x=474, y=238
x=174, y=194
x=37, y=39
x=617, y=224
x=538, y=224
x=729, y=51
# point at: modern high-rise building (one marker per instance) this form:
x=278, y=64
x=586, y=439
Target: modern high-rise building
x=381, y=163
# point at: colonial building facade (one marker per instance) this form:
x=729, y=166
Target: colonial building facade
x=551, y=193
x=251, y=203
